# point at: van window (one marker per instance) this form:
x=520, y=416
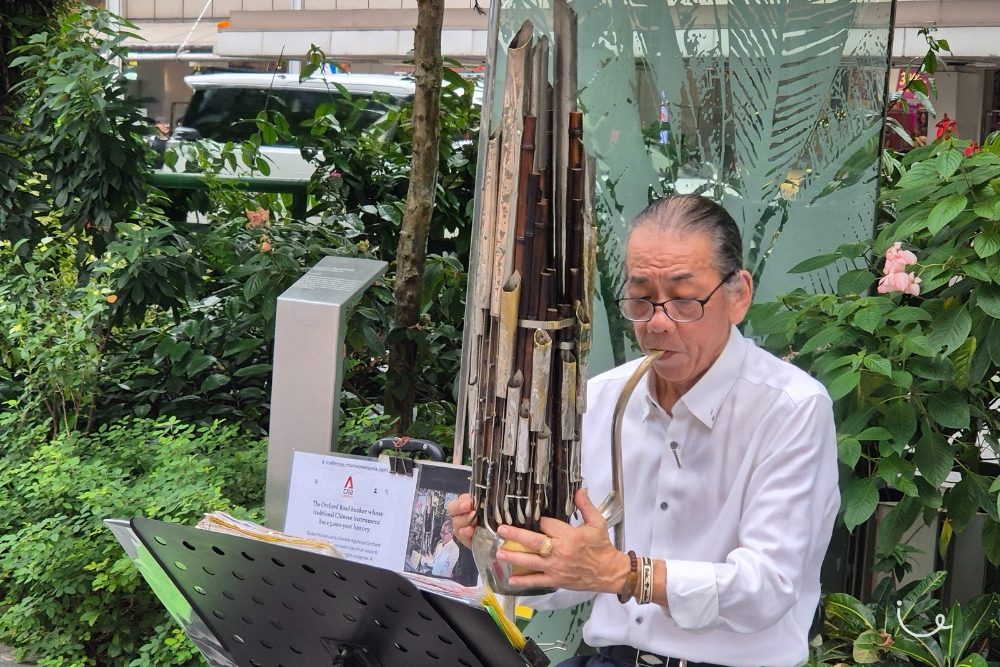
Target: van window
x=227, y=114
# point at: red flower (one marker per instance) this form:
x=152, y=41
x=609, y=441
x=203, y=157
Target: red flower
x=971, y=150
x=945, y=126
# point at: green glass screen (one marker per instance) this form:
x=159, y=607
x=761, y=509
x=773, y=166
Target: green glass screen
x=773, y=108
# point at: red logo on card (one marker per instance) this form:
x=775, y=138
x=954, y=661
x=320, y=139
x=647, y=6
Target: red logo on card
x=349, y=488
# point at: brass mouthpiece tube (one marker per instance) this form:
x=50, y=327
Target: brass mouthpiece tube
x=617, y=480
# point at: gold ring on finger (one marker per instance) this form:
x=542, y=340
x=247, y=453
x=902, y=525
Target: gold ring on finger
x=546, y=547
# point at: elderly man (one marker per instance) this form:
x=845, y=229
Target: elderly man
x=442, y=561
x=730, y=472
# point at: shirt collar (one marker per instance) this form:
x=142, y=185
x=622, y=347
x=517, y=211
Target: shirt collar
x=705, y=398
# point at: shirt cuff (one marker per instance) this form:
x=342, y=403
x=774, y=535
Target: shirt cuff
x=692, y=594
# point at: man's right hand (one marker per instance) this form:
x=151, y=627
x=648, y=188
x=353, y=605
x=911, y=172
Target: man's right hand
x=463, y=518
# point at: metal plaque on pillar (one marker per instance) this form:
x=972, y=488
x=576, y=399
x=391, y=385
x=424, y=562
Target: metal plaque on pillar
x=308, y=368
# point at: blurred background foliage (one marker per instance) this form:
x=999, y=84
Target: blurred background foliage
x=136, y=340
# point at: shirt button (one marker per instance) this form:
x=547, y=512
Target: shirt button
x=663, y=505
x=638, y=620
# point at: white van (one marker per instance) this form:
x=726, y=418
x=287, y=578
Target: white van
x=224, y=106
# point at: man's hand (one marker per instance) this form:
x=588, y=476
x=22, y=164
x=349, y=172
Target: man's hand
x=463, y=519
x=582, y=558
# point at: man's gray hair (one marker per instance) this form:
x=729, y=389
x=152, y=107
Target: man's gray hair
x=694, y=213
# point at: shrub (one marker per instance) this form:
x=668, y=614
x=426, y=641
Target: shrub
x=68, y=593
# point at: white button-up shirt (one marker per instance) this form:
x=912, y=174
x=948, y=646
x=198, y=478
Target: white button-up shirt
x=737, y=492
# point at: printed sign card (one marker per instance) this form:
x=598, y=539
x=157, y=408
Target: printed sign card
x=354, y=503
x=396, y=522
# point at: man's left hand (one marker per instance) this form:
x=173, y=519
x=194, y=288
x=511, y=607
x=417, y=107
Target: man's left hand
x=582, y=557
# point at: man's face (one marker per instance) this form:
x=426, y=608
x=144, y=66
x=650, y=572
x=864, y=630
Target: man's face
x=665, y=264
x=445, y=534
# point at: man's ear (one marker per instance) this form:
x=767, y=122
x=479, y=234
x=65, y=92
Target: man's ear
x=740, y=300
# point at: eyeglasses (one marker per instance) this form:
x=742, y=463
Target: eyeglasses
x=679, y=310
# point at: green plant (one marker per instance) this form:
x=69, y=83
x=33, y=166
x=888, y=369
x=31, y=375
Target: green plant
x=68, y=593
x=50, y=362
x=80, y=137
x=888, y=629
x=913, y=375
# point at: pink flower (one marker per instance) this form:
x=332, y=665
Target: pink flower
x=907, y=283
x=258, y=217
x=896, y=259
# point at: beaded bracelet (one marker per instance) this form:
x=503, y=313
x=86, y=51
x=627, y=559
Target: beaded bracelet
x=630, y=581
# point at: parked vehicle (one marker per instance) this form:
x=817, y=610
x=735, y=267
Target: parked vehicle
x=224, y=106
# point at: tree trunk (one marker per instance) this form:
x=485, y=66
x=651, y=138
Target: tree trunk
x=411, y=254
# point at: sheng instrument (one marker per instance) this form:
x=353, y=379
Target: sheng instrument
x=533, y=289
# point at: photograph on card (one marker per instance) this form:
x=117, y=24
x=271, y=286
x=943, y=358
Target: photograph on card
x=432, y=548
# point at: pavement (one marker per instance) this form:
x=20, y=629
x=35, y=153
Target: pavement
x=7, y=657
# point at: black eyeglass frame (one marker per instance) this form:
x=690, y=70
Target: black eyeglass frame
x=663, y=304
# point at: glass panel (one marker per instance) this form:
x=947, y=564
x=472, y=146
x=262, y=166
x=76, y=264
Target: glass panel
x=773, y=108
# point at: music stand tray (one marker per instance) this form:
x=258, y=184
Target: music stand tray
x=275, y=606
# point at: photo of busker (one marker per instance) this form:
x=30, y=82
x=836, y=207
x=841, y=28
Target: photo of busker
x=729, y=459
x=431, y=547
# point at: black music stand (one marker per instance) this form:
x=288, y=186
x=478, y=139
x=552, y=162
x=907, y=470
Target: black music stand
x=274, y=606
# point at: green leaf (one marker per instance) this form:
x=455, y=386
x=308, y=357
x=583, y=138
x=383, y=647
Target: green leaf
x=965, y=498
x=868, y=318
x=258, y=369
x=865, y=650
x=978, y=271
x=842, y=384
x=918, y=345
x=948, y=161
x=898, y=473
x=924, y=587
x=874, y=433
x=986, y=243
x=199, y=362
x=255, y=284
x=949, y=409
x=990, y=538
x=934, y=458
x=855, y=282
x=850, y=610
x=901, y=379
x=913, y=224
x=950, y=329
x=814, y=263
x=856, y=421
x=242, y=346
x=213, y=382
x=962, y=358
x=945, y=211
x=909, y=647
x=972, y=660
x=906, y=314
x=989, y=210
x=896, y=522
x=781, y=322
x=944, y=539
x=825, y=337
x=162, y=350
x=940, y=368
x=979, y=616
x=900, y=420
x=874, y=362
x=993, y=342
x=988, y=298
x=860, y=500
x=848, y=450
x=178, y=350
